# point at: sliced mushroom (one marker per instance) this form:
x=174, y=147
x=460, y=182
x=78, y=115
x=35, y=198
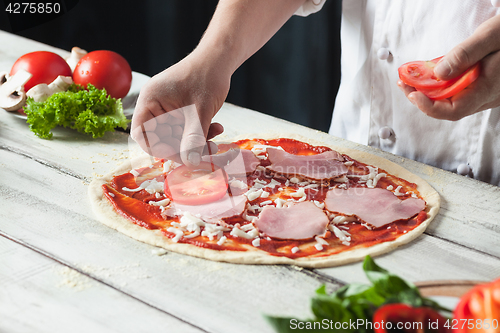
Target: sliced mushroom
x=76, y=54
x=42, y=91
x=61, y=83
x=12, y=95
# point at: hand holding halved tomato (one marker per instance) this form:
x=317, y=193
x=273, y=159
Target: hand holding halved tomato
x=479, y=309
x=420, y=75
x=457, y=67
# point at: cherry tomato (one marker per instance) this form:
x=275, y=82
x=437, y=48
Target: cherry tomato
x=420, y=75
x=401, y=317
x=43, y=65
x=479, y=309
x=197, y=186
x=104, y=69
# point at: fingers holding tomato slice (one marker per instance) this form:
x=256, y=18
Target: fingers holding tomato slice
x=196, y=186
x=420, y=75
x=458, y=85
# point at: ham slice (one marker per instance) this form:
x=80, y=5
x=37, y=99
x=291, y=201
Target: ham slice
x=374, y=206
x=228, y=206
x=326, y=165
x=235, y=162
x=303, y=220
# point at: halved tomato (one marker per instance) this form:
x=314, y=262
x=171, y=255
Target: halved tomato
x=196, y=186
x=420, y=75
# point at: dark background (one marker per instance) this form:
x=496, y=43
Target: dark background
x=295, y=76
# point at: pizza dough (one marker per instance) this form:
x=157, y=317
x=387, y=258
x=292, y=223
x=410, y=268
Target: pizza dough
x=109, y=216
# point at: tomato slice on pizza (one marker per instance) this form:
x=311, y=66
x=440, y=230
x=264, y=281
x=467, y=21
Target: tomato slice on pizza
x=196, y=186
x=270, y=201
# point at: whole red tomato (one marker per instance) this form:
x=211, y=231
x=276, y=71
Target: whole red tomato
x=104, y=69
x=479, y=309
x=43, y=65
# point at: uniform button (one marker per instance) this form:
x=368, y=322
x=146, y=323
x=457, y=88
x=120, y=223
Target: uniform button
x=383, y=53
x=463, y=169
x=495, y=3
x=385, y=132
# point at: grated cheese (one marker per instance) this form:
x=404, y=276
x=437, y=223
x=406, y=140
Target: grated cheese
x=237, y=232
x=279, y=202
x=258, y=149
x=397, y=193
x=321, y=240
x=163, y=202
x=253, y=194
x=340, y=234
x=238, y=184
x=178, y=234
x=337, y=219
x=264, y=194
x=273, y=183
x=221, y=240
x=299, y=194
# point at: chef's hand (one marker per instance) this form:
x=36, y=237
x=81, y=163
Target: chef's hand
x=175, y=108
x=172, y=119
x=483, y=45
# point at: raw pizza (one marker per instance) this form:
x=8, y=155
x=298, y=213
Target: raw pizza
x=269, y=201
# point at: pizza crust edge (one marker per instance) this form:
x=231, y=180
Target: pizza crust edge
x=108, y=216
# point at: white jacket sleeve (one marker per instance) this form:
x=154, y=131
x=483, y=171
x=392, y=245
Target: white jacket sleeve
x=310, y=7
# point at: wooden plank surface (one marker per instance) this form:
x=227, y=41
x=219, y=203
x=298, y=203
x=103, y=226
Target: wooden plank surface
x=57, y=298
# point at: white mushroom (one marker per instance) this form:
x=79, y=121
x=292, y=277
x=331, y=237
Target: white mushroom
x=76, y=54
x=12, y=95
x=42, y=91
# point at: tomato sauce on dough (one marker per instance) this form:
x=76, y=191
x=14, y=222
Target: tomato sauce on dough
x=134, y=204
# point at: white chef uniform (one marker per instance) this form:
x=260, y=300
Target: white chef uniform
x=377, y=37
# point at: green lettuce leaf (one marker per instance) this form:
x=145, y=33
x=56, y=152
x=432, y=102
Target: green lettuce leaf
x=89, y=111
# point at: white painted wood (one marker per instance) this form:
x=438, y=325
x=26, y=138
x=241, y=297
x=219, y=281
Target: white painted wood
x=41, y=295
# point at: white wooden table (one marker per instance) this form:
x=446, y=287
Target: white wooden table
x=63, y=271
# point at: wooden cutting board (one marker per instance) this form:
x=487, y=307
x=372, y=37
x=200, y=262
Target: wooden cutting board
x=454, y=288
